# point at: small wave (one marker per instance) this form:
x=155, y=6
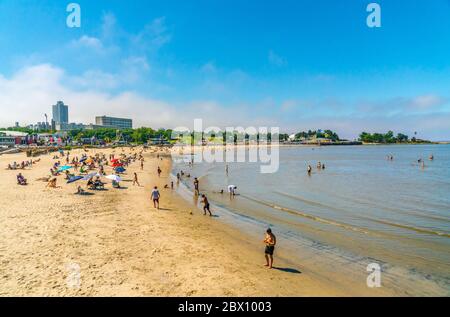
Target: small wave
x=309, y=202
x=419, y=230
x=396, y=210
x=308, y=216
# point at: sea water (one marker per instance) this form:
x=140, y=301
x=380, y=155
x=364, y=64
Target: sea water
x=395, y=212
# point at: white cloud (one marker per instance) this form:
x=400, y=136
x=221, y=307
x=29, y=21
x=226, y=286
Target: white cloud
x=89, y=42
x=109, y=26
x=95, y=80
x=154, y=35
x=29, y=93
x=137, y=61
x=427, y=102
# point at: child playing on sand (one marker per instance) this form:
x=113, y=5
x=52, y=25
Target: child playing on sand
x=270, y=241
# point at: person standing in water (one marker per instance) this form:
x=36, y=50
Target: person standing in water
x=270, y=241
x=206, y=205
x=196, y=186
x=232, y=190
x=309, y=170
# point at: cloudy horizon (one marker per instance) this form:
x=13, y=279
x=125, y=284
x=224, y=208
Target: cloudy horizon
x=163, y=66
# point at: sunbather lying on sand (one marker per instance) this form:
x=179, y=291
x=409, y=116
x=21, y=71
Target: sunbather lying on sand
x=51, y=183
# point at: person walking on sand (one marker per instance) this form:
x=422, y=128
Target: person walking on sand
x=135, y=180
x=206, y=205
x=159, y=171
x=270, y=241
x=142, y=164
x=155, y=197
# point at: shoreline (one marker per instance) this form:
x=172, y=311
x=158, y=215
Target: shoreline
x=306, y=251
x=123, y=247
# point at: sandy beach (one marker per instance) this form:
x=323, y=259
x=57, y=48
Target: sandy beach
x=119, y=245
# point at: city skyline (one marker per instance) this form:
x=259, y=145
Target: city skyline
x=60, y=121
x=311, y=65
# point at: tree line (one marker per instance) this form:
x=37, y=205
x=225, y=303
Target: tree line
x=385, y=138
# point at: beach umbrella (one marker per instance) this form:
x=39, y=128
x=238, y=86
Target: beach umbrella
x=64, y=168
x=117, y=165
x=74, y=179
x=114, y=178
x=120, y=169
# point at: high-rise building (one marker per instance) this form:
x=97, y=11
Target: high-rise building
x=110, y=122
x=60, y=113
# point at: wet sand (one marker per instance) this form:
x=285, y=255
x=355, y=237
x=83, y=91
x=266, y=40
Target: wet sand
x=119, y=245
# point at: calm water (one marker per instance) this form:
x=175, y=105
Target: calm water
x=395, y=212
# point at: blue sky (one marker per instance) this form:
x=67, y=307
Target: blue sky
x=294, y=64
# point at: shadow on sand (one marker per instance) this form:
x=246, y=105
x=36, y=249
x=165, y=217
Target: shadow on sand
x=85, y=194
x=287, y=270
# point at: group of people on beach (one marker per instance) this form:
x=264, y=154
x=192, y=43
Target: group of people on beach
x=21, y=166
x=97, y=163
